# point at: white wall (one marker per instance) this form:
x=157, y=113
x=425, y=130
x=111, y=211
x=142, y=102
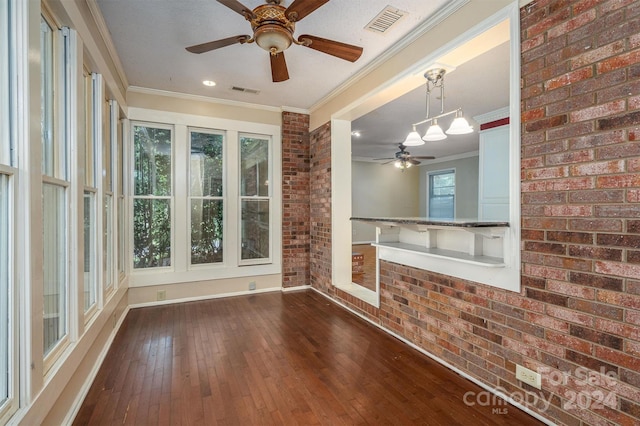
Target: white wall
x=379, y=191
x=466, y=185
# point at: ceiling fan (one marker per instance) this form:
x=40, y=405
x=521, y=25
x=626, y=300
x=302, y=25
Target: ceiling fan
x=273, y=27
x=403, y=159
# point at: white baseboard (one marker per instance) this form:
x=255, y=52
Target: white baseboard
x=442, y=362
x=296, y=288
x=206, y=297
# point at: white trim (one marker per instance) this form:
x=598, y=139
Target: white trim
x=296, y=288
x=207, y=297
x=108, y=41
x=439, y=360
x=200, y=98
x=493, y=115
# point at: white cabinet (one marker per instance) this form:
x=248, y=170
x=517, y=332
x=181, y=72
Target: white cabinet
x=493, y=179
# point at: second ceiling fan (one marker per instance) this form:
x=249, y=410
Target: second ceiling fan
x=273, y=28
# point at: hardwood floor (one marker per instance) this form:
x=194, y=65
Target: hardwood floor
x=274, y=358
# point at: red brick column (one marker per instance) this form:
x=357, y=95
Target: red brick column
x=320, y=154
x=295, y=200
x=580, y=193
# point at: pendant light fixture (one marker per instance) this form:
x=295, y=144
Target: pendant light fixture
x=459, y=126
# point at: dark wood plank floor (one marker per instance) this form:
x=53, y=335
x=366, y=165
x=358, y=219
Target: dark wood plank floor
x=293, y=359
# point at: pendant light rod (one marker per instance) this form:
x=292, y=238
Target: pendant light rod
x=428, y=119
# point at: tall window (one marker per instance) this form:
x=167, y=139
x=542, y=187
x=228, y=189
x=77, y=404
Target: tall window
x=206, y=189
x=152, y=196
x=255, y=199
x=442, y=192
x=55, y=186
x=8, y=200
x=120, y=220
x=90, y=196
x=107, y=166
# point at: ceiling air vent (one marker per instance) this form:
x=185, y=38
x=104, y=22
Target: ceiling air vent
x=245, y=90
x=385, y=20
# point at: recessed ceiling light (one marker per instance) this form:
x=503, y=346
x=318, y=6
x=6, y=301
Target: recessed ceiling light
x=209, y=83
x=355, y=133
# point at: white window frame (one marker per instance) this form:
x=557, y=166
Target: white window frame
x=92, y=122
x=171, y=198
x=8, y=139
x=180, y=272
x=241, y=198
x=222, y=198
x=66, y=107
x=432, y=173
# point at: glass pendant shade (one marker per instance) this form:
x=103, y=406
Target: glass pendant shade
x=434, y=133
x=413, y=139
x=459, y=126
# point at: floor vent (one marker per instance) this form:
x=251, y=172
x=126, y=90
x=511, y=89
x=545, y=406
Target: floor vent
x=385, y=20
x=245, y=90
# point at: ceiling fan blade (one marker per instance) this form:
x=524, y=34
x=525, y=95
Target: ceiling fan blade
x=412, y=161
x=236, y=6
x=279, y=70
x=340, y=50
x=388, y=158
x=217, y=44
x=424, y=157
x=301, y=8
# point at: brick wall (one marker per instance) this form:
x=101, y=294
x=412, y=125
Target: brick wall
x=320, y=215
x=295, y=200
x=578, y=314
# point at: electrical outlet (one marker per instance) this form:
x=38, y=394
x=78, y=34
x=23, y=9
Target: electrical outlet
x=162, y=295
x=529, y=377
x=252, y=285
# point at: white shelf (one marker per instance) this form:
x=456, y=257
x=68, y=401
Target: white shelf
x=480, y=260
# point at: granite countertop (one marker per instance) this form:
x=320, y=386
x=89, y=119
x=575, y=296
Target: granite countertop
x=455, y=223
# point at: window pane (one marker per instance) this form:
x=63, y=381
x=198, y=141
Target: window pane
x=206, y=164
x=151, y=233
x=254, y=163
x=152, y=162
x=54, y=265
x=89, y=146
x=255, y=229
x=121, y=235
x=89, y=250
x=442, y=195
x=5, y=289
x=106, y=146
x=108, y=241
x=5, y=143
x=206, y=231
x=46, y=98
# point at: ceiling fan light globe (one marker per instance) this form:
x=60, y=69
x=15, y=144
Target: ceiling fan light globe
x=434, y=133
x=273, y=39
x=413, y=139
x=459, y=126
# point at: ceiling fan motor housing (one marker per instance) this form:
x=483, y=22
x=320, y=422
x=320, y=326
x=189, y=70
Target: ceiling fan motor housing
x=272, y=30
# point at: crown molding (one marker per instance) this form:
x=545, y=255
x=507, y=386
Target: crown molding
x=200, y=98
x=101, y=25
x=492, y=115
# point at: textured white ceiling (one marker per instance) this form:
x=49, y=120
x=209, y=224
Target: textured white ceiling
x=150, y=37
